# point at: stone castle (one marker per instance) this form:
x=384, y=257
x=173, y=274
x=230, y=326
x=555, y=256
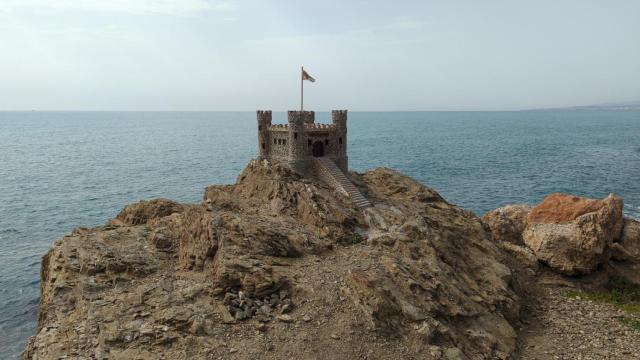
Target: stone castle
x=310, y=149
x=302, y=139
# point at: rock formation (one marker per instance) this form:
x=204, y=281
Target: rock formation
x=278, y=266
x=507, y=223
x=628, y=248
x=570, y=234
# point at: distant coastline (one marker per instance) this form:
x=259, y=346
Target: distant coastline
x=621, y=106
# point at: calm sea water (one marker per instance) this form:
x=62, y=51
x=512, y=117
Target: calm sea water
x=59, y=170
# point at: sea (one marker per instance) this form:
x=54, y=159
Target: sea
x=60, y=170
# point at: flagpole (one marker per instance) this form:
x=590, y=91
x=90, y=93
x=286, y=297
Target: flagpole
x=301, y=88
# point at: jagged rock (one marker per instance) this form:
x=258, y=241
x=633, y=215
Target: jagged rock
x=571, y=234
x=628, y=248
x=140, y=213
x=522, y=254
x=227, y=318
x=174, y=280
x=507, y=223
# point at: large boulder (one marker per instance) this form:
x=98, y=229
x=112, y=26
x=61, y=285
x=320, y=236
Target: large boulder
x=571, y=233
x=628, y=248
x=507, y=223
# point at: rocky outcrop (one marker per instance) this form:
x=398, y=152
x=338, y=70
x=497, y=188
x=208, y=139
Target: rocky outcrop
x=142, y=212
x=571, y=234
x=423, y=264
x=277, y=266
x=628, y=248
x=507, y=223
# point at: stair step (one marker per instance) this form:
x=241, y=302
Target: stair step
x=327, y=167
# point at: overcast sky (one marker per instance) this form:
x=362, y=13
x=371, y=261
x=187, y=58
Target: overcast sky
x=365, y=55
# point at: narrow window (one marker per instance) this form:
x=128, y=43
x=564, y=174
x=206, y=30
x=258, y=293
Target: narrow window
x=326, y=142
x=275, y=141
x=284, y=142
x=309, y=142
x=263, y=146
x=340, y=141
x=295, y=135
x=259, y=127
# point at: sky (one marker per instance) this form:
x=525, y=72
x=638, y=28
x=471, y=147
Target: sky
x=366, y=55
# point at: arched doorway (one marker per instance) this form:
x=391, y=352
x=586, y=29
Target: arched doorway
x=318, y=149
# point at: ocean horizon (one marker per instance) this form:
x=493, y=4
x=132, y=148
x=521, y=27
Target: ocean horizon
x=65, y=169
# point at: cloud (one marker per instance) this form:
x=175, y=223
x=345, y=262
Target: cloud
x=166, y=7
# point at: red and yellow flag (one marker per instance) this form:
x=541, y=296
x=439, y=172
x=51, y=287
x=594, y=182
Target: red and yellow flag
x=306, y=76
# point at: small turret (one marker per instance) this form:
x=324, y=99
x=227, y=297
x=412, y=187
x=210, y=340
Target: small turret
x=264, y=122
x=309, y=117
x=339, y=119
x=297, y=140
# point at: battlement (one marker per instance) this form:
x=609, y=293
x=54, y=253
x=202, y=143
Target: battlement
x=295, y=116
x=309, y=117
x=264, y=116
x=320, y=127
x=279, y=127
x=339, y=118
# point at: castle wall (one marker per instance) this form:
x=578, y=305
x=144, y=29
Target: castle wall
x=327, y=139
x=279, y=147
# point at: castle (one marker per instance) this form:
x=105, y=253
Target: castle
x=310, y=149
x=301, y=140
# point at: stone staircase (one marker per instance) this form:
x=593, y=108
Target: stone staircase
x=331, y=174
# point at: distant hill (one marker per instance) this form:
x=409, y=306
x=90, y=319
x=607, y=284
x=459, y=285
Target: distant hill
x=632, y=105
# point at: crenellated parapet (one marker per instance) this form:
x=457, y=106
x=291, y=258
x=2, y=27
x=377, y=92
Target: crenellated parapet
x=314, y=126
x=279, y=127
x=264, y=116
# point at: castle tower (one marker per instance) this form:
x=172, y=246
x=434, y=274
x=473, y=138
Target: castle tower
x=309, y=117
x=339, y=119
x=264, y=121
x=297, y=141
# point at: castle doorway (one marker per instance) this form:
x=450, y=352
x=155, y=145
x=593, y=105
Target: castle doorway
x=318, y=149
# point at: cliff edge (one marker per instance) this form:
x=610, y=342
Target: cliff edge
x=277, y=266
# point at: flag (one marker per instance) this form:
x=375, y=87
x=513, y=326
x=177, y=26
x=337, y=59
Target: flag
x=306, y=76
